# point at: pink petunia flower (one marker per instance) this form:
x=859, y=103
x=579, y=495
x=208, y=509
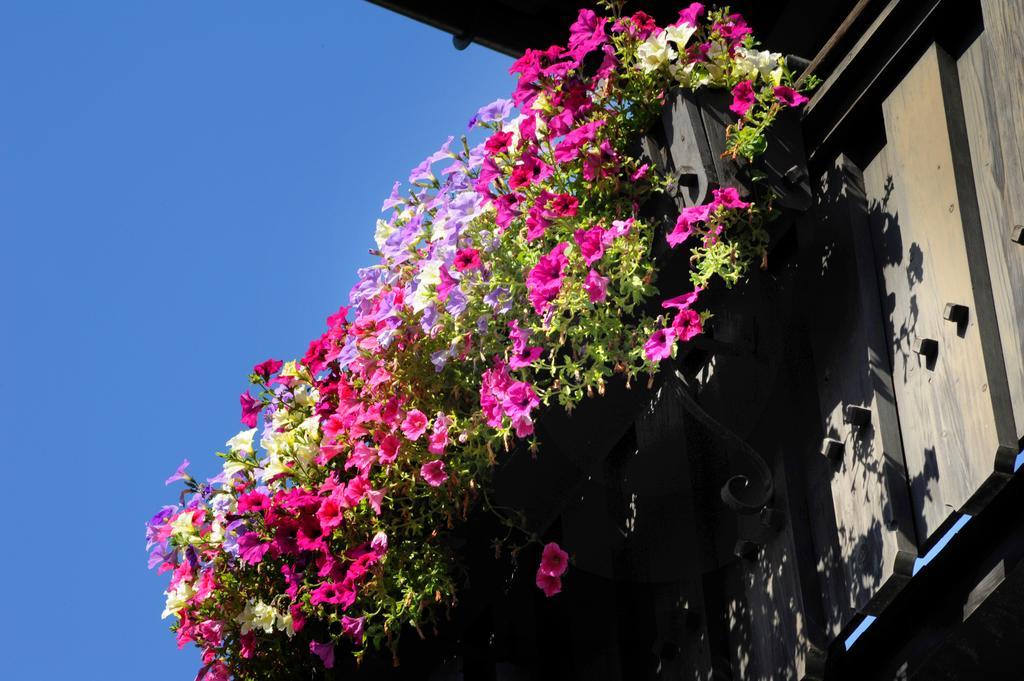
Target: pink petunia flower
x=325, y=651
x=467, y=259
x=569, y=148
x=520, y=399
x=388, y=449
x=498, y=143
x=691, y=14
x=728, y=197
x=544, y=281
x=596, y=286
x=310, y=535
x=251, y=408
x=681, y=232
x=375, y=497
x=789, y=96
x=251, y=548
x=548, y=584
x=660, y=344
x=562, y=206
x=217, y=672
x=253, y=502
x=247, y=643
x=553, y=560
x=438, y=439
x=524, y=357
x=268, y=367
x=379, y=543
x=591, y=243
x=687, y=325
x=523, y=425
x=335, y=593
x=330, y=513
x=415, y=424
x=433, y=473
x=682, y=302
x=353, y=627
x=743, y=98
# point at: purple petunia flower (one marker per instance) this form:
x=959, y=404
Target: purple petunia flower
x=498, y=110
x=179, y=474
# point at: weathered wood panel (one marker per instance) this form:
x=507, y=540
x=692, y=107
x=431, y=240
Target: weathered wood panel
x=992, y=84
x=869, y=494
x=941, y=384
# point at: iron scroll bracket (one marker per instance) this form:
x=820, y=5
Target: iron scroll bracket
x=744, y=494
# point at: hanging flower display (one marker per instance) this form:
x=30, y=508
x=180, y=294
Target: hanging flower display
x=514, y=276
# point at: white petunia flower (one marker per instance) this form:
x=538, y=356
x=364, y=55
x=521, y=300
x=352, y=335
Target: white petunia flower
x=680, y=35
x=242, y=443
x=382, y=233
x=177, y=598
x=654, y=53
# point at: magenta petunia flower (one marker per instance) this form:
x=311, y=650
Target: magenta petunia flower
x=682, y=302
x=591, y=243
x=498, y=143
x=325, y=651
x=691, y=14
x=251, y=548
x=253, y=502
x=734, y=29
x=362, y=457
x=743, y=98
x=389, y=449
x=250, y=409
x=247, y=643
x=438, y=439
x=524, y=357
x=548, y=584
x=562, y=206
x=587, y=33
x=553, y=560
x=467, y=259
x=523, y=425
x=217, y=672
x=310, y=536
x=687, y=324
x=728, y=197
x=681, y=232
x=269, y=367
x=660, y=344
x=415, y=424
x=544, y=281
x=596, y=286
x=353, y=627
x=789, y=96
x=330, y=513
x=569, y=148
x=341, y=593
x=536, y=224
x=520, y=399
x=433, y=472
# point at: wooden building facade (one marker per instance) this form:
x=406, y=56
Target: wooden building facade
x=869, y=385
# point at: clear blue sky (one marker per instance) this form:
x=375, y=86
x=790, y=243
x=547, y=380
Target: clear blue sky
x=186, y=188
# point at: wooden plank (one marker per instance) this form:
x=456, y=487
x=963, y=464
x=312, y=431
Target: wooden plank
x=994, y=111
x=918, y=212
x=871, y=504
